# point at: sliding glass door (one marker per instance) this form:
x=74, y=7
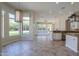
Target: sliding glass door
x=26, y=25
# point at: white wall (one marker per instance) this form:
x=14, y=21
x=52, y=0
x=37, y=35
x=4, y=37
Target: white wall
x=60, y=23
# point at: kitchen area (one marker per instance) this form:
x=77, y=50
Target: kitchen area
x=71, y=34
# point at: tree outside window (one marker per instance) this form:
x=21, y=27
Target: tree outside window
x=13, y=25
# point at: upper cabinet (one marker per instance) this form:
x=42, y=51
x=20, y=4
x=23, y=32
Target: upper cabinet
x=73, y=18
x=74, y=22
x=74, y=25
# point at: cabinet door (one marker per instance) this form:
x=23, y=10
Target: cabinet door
x=77, y=25
x=74, y=25
x=74, y=44
x=71, y=42
x=57, y=36
x=68, y=41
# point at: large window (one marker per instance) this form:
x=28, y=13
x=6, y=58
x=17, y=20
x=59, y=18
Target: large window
x=26, y=25
x=13, y=25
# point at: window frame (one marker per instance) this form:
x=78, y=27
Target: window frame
x=2, y=24
x=14, y=20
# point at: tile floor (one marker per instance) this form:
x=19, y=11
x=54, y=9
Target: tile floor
x=36, y=48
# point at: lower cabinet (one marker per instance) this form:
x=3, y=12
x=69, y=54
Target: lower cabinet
x=57, y=36
x=72, y=42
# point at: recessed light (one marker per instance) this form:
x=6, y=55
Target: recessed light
x=72, y=3
x=57, y=2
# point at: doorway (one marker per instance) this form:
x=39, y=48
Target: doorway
x=44, y=31
x=25, y=28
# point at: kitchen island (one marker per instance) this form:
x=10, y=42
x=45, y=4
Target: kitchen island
x=72, y=42
x=63, y=33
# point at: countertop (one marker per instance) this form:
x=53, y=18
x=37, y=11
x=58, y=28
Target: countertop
x=73, y=34
x=57, y=31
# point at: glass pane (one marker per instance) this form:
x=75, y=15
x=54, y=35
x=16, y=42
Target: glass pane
x=41, y=26
x=26, y=18
x=11, y=15
x=25, y=27
x=13, y=27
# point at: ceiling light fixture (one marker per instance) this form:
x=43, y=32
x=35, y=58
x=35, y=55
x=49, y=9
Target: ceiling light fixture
x=57, y=2
x=72, y=3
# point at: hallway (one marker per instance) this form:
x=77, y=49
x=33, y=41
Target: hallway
x=35, y=48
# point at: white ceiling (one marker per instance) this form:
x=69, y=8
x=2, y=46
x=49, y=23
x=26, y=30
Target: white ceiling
x=48, y=9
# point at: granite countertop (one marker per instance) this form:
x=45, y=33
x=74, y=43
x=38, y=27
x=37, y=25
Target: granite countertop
x=57, y=31
x=73, y=34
